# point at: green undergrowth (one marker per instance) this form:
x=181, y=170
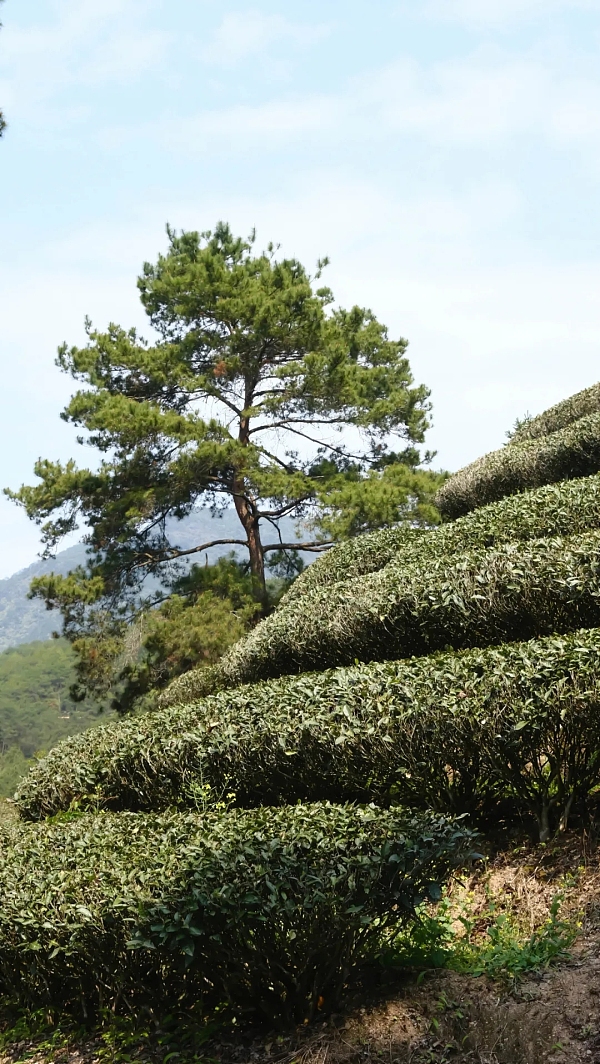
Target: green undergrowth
x=454, y=732
x=573, y=451
x=563, y=509
x=148, y=1035
x=478, y=598
x=495, y=941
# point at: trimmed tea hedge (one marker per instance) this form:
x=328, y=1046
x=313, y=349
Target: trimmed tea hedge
x=484, y=597
x=452, y=732
x=355, y=557
x=562, y=509
x=561, y=415
x=568, y=453
x=266, y=909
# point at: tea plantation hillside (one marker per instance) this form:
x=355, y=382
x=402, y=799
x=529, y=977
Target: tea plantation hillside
x=284, y=811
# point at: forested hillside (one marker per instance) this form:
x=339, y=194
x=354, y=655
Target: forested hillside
x=36, y=672
x=24, y=620
x=35, y=710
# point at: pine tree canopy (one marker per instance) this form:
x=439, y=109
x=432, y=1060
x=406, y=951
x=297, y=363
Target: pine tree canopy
x=255, y=391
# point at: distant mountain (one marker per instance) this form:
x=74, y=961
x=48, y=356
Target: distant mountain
x=23, y=620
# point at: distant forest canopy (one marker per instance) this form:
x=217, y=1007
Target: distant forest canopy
x=35, y=710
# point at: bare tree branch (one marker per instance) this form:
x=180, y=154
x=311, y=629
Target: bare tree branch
x=172, y=553
x=283, y=510
x=296, y=421
x=316, y=545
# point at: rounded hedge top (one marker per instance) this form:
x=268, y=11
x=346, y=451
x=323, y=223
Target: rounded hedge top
x=559, y=416
x=573, y=451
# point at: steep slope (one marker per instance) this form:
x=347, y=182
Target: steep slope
x=142, y=893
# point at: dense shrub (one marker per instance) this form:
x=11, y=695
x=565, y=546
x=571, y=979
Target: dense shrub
x=559, y=416
x=563, y=455
x=267, y=909
x=483, y=597
x=553, y=510
x=452, y=732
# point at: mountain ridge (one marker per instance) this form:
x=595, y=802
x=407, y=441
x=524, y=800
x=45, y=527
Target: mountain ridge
x=24, y=620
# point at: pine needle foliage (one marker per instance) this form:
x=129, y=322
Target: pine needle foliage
x=252, y=365
x=563, y=455
x=458, y=733
x=264, y=909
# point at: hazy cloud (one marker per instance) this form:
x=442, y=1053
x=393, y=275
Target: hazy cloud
x=248, y=33
x=498, y=13
x=85, y=44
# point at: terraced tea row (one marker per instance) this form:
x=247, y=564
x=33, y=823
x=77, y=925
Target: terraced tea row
x=482, y=597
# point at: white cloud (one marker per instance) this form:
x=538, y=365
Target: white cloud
x=240, y=128
x=478, y=101
x=481, y=102
x=498, y=13
x=246, y=33
x=85, y=44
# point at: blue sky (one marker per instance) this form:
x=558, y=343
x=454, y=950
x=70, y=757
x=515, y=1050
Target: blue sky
x=444, y=153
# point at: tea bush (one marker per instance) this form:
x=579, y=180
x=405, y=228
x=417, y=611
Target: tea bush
x=482, y=597
x=452, y=732
x=559, y=416
x=264, y=909
x=554, y=510
x=355, y=557
x=563, y=455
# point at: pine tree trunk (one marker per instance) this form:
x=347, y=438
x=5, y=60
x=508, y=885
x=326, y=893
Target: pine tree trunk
x=257, y=559
x=247, y=514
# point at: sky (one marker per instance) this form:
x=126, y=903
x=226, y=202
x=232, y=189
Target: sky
x=445, y=155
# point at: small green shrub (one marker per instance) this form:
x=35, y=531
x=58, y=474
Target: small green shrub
x=266, y=909
x=452, y=732
x=506, y=954
x=563, y=455
x=482, y=597
x=554, y=510
x=559, y=416
x=505, y=951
